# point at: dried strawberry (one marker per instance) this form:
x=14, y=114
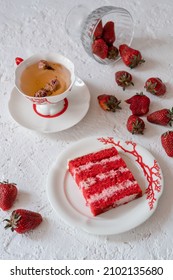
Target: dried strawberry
x=22, y=220
x=52, y=85
x=112, y=52
x=43, y=64
x=130, y=57
x=123, y=79
x=98, y=30
x=108, y=102
x=100, y=48
x=8, y=194
x=41, y=93
x=167, y=142
x=155, y=86
x=139, y=104
x=109, y=33
x=135, y=125
x=18, y=60
x=162, y=117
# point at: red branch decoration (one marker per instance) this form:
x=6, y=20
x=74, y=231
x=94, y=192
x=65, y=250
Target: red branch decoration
x=39, y=100
x=152, y=174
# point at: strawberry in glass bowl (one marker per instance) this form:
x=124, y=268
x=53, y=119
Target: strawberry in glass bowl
x=101, y=31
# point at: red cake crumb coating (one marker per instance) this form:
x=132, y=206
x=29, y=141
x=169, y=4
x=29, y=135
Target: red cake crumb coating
x=104, y=180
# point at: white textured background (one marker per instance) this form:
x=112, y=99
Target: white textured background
x=28, y=27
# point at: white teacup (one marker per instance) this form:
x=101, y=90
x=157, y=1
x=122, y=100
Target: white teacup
x=48, y=105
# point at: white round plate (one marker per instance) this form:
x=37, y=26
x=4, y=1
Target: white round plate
x=21, y=109
x=68, y=202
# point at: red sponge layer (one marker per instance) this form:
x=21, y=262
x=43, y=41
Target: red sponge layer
x=104, y=180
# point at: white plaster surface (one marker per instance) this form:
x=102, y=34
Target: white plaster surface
x=28, y=27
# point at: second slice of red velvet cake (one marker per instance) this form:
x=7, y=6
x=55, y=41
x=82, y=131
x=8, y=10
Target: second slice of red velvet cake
x=104, y=180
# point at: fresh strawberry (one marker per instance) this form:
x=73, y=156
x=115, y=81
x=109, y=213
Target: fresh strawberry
x=112, y=52
x=139, y=104
x=18, y=60
x=109, y=33
x=167, y=142
x=22, y=220
x=98, y=31
x=155, y=86
x=108, y=102
x=123, y=79
x=130, y=57
x=100, y=48
x=162, y=117
x=8, y=193
x=135, y=125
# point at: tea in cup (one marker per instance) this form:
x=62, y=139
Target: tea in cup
x=46, y=80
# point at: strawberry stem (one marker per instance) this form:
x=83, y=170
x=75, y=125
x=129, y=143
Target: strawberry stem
x=12, y=223
x=170, y=116
x=6, y=182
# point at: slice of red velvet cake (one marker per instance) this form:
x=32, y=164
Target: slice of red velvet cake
x=104, y=180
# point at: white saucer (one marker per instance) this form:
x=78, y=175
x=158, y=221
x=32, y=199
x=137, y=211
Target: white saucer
x=22, y=110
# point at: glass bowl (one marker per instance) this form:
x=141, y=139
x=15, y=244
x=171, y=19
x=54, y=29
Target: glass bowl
x=81, y=24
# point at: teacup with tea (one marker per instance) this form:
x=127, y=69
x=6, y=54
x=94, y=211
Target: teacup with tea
x=46, y=80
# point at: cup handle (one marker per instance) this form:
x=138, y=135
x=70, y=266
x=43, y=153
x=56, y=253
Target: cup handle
x=18, y=60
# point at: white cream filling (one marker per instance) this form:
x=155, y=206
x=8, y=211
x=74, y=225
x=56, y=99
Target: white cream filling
x=125, y=199
x=101, y=176
x=106, y=193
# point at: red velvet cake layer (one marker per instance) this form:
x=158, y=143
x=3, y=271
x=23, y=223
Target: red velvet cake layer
x=104, y=180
